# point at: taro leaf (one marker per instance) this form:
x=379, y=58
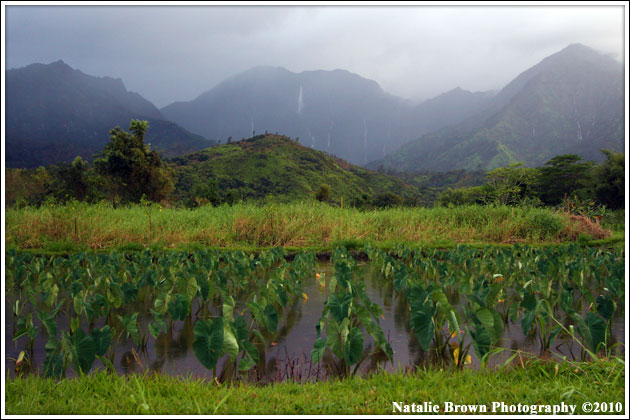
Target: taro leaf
x=481, y=340
x=332, y=285
x=529, y=301
x=75, y=288
x=246, y=363
x=422, y=325
x=497, y=328
x=379, y=339
x=527, y=321
x=115, y=295
x=240, y=326
x=597, y=328
x=97, y=306
x=566, y=300
x=256, y=310
x=271, y=317
x=204, y=286
x=485, y=317
x=400, y=278
x=252, y=351
x=416, y=296
x=102, y=338
x=614, y=284
x=208, y=341
x=81, y=351
x=260, y=337
x=353, y=347
x=339, y=305
x=178, y=307
x=230, y=345
x=53, y=364
x=74, y=323
x=156, y=327
x=24, y=326
x=282, y=296
x=130, y=325
x=553, y=334
x=336, y=335
x=48, y=321
x=581, y=327
x=343, y=273
x=228, y=309
x=130, y=292
x=605, y=306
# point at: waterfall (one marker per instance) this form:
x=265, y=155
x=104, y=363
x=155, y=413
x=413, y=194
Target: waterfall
x=300, y=103
x=364, y=142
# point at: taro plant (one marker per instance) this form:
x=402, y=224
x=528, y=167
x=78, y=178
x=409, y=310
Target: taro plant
x=348, y=313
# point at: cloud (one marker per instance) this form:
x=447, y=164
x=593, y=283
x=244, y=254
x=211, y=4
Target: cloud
x=169, y=53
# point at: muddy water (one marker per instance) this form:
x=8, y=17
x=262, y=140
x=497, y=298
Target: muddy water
x=286, y=355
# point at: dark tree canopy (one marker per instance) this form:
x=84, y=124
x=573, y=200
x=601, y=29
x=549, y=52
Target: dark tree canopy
x=563, y=175
x=130, y=168
x=610, y=180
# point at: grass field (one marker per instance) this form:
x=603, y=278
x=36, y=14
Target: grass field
x=77, y=227
x=536, y=384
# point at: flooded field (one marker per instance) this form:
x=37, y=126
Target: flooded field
x=287, y=351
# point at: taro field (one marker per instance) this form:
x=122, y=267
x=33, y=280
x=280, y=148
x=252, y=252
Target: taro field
x=273, y=316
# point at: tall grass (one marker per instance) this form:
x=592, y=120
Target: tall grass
x=108, y=394
x=308, y=224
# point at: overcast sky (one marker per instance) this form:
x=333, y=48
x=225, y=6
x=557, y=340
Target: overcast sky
x=171, y=53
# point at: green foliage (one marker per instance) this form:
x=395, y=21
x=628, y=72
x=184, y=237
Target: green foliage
x=347, y=312
x=130, y=168
x=323, y=194
x=561, y=176
x=387, y=199
x=545, y=291
x=272, y=168
x=610, y=180
x=107, y=288
x=512, y=184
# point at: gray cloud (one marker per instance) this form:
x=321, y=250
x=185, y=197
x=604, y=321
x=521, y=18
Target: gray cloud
x=169, y=53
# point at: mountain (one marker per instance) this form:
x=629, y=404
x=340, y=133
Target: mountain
x=334, y=111
x=55, y=113
x=570, y=102
x=271, y=164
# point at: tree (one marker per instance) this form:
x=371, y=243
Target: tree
x=130, y=168
x=69, y=180
x=561, y=176
x=323, y=194
x=512, y=185
x=610, y=180
x=387, y=199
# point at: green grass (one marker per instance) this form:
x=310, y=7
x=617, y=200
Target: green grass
x=106, y=394
x=310, y=224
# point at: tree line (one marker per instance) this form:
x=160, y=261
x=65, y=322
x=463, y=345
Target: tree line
x=564, y=177
x=128, y=171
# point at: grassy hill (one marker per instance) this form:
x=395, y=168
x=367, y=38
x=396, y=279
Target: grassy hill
x=275, y=167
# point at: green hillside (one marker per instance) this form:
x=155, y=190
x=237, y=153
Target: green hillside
x=275, y=167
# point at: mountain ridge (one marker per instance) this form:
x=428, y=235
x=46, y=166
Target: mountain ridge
x=571, y=101
x=55, y=113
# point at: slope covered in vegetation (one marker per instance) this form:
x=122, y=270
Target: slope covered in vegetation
x=276, y=168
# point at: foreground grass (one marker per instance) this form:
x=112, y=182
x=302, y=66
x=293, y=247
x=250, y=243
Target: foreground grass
x=79, y=226
x=103, y=393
